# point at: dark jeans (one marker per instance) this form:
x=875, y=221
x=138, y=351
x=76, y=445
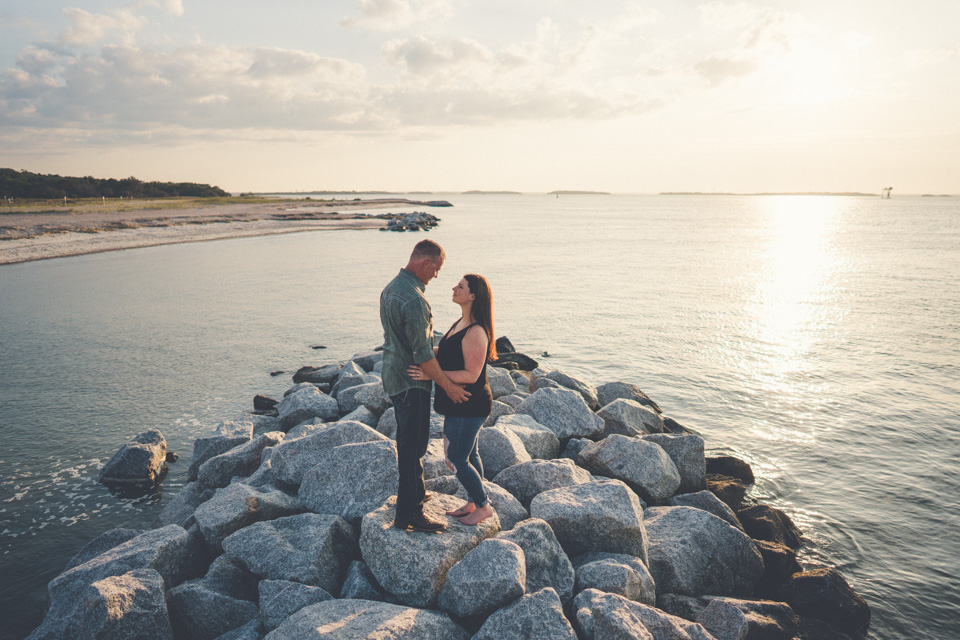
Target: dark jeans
x=413, y=434
x=462, y=434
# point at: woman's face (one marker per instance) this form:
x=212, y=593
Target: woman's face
x=461, y=292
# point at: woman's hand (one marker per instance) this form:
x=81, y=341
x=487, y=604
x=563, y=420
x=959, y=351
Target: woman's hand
x=416, y=373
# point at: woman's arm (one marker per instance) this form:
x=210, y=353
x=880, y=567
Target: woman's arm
x=474, y=356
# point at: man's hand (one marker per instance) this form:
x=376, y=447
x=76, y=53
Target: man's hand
x=456, y=393
x=431, y=369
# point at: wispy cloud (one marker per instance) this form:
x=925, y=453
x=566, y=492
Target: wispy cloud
x=392, y=15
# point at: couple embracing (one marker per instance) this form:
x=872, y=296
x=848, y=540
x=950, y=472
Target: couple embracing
x=411, y=365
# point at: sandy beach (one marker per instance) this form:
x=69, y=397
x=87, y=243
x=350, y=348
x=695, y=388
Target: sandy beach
x=44, y=233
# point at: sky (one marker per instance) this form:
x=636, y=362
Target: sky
x=452, y=95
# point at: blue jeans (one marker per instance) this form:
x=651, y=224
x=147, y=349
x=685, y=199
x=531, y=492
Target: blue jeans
x=462, y=434
x=413, y=434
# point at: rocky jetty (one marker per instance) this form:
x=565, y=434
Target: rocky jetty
x=416, y=221
x=608, y=526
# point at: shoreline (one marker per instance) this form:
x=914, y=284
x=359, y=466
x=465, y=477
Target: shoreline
x=27, y=237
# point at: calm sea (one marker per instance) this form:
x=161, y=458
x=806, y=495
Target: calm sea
x=817, y=337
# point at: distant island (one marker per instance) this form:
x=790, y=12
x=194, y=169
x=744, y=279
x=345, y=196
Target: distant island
x=476, y=192
x=579, y=193
x=777, y=193
x=25, y=185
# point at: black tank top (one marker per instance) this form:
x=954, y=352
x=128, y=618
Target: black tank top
x=450, y=358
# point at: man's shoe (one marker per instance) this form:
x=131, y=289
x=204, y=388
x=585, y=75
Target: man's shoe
x=421, y=523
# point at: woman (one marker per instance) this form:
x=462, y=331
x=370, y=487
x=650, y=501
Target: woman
x=463, y=354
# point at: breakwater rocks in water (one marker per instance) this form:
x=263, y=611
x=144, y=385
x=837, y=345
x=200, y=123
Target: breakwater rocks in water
x=607, y=525
x=416, y=221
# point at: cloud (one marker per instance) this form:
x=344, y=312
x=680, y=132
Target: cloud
x=393, y=15
x=90, y=28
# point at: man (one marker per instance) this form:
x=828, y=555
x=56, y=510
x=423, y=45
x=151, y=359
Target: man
x=408, y=340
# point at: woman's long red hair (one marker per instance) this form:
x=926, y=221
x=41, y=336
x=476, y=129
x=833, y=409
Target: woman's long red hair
x=482, y=309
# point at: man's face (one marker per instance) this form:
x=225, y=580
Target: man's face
x=431, y=268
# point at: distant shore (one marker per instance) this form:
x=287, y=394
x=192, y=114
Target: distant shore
x=40, y=233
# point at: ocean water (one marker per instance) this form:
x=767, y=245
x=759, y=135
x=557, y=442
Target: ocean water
x=816, y=337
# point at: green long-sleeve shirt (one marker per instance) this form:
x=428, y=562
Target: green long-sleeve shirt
x=407, y=331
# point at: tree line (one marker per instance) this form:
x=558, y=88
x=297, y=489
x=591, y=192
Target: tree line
x=27, y=185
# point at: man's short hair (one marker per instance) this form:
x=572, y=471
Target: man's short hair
x=428, y=249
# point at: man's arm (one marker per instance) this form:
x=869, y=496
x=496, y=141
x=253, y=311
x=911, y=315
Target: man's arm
x=454, y=391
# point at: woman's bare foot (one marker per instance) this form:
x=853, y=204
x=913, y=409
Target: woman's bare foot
x=465, y=510
x=478, y=515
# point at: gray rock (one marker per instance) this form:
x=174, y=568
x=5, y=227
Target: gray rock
x=309, y=548
x=219, y=602
x=300, y=386
x=239, y=505
x=562, y=411
x=584, y=388
x=528, y=479
x=170, y=551
x=413, y=566
x=359, y=584
x=644, y=466
x=500, y=448
x=140, y=461
x=180, y=509
x=521, y=379
x=501, y=382
x=573, y=448
x=367, y=361
x=363, y=415
x=253, y=630
x=387, y=424
x=731, y=619
x=351, y=480
x=823, y=594
x=508, y=508
x=607, y=615
x=369, y=395
x=542, y=382
x=604, y=515
x=618, y=573
x=351, y=369
x=280, y=599
x=535, y=616
x=239, y=461
x=261, y=423
x=434, y=465
x=695, y=553
x=305, y=404
x=512, y=399
x=686, y=607
x=263, y=476
x=540, y=442
x=101, y=544
x=546, y=564
x=497, y=409
x=687, y=454
x=708, y=502
x=327, y=374
x=228, y=434
x=607, y=393
x=349, y=381
x=128, y=606
x=293, y=459
x=489, y=576
x=342, y=619
x=629, y=418
x=308, y=428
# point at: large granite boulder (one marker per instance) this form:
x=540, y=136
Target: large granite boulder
x=539, y=441
x=731, y=466
x=180, y=509
x=508, y=508
x=564, y=412
x=489, y=576
x=603, y=515
x=224, y=599
x=608, y=615
x=825, y=595
x=305, y=404
x=501, y=382
x=686, y=451
x=327, y=374
x=500, y=448
x=369, y=395
x=708, y=502
x=387, y=424
x=128, y=606
x=309, y=548
x=528, y=479
x=364, y=415
x=239, y=505
x=584, y=388
x=293, y=459
x=280, y=599
x=367, y=360
x=359, y=584
x=434, y=460
x=228, y=434
x=535, y=616
x=170, y=551
x=616, y=573
x=763, y=522
x=730, y=619
x=240, y=461
x=412, y=565
x=103, y=543
x=349, y=381
x=351, y=480
x=644, y=466
x=731, y=491
x=142, y=461
x=629, y=418
x=497, y=410
x=545, y=561
x=695, y=553
x=342, y=619
x=779, y=565
x=607, y=393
